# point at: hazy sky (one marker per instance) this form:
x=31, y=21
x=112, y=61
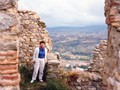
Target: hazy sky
x=67, y=12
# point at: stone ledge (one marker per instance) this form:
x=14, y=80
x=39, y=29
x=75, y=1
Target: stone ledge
x=8, y=83
x=8, y=67
x=8, y=53
x=2, y=58
x=9, y=63
x=53, y=62
x=9, y=72
x=10, y=77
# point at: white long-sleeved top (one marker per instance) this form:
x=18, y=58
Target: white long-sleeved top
x=36, y=53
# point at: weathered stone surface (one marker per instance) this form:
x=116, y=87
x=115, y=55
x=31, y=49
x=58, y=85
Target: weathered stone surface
x=7, y=21
x=76, y=80
x=8, y=53
x=32, y=32
x=53, y=69
x=6, y=4
x=8, y=45
x=111, y=70
x=54, y=62
x=99, y=55
x=106, y=61
x=9, y=71
x=114, y=10
x=8, y=67
x=53, y=56
x=8, y=83
x=9, y=75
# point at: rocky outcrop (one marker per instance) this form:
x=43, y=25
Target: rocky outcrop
x=9, y=76
x=76, y=80
x=32, y=31
x=111, y=72
x=85, y=81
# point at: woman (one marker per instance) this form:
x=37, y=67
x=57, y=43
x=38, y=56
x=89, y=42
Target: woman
x=39, y=59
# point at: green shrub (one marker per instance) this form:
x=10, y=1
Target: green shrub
x=26, y=74
x=54, y=84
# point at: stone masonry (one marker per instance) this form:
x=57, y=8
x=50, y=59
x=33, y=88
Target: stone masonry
x=9, y=76
x=21, y=31
x=99, y=54
x=106, y=59
x=111, y=72
x=32, y=31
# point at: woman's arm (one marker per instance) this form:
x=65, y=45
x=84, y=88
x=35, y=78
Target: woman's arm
x=46, y=55
x=34, y=55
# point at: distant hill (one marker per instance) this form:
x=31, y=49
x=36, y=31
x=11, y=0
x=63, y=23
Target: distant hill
x=87, y=29
x=77, y=43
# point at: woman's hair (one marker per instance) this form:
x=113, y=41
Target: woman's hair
x=42, y=42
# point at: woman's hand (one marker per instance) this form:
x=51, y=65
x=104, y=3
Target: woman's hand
x=33, y=61
x=46, y=61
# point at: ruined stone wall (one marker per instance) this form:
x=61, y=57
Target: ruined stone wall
x=76, y=80
x=111, y=74
x=99, y=54
x=27, y=28
x=106, y=59
x=32, y=31
x=9, y=76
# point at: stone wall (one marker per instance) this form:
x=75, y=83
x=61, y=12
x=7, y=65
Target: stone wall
x=106, y=59
x=32, y=31
x=27, y=28
x=111, y=74
x=53, y=69
x=99, y=54
x=9, y=76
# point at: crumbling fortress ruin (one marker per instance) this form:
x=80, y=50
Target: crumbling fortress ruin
x=20, y=32
x=111, y=72
x=32, y=31
x=109, y=57
x=9, y=76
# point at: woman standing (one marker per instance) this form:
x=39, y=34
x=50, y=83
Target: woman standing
x=39, y=59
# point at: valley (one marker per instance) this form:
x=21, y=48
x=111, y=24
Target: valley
x=77, y=43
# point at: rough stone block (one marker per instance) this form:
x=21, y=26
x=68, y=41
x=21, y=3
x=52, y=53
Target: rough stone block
x=8, y=67
x=7, y=21
x=6, y=4
x=8, y=45
x=9, y=83
x=9, y=77
x=9, y=72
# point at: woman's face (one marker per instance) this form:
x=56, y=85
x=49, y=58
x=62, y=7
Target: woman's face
x=42, y=45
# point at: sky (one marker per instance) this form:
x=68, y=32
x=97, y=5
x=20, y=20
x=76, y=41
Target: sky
x=75, y=13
